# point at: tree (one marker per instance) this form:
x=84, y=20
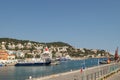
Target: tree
x=28, y=55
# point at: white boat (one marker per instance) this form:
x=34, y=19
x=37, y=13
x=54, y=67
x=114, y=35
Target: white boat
x=66, y=58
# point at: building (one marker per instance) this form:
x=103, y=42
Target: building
x=3, y=55
x=62, y=49
x=11, y=57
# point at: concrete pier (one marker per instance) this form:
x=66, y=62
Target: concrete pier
x=93, y=73
x=115, y=76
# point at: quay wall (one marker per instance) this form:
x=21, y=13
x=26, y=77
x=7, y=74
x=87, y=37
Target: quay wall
x=92, y=73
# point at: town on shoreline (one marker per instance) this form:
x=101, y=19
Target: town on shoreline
x=11, y=49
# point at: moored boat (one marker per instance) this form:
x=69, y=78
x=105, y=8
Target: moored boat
x=1, y=65
x=33, y=63
x=105, y=61
x=45, y=59
x=66, y=58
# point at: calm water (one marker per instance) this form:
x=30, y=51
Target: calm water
x=22, y=73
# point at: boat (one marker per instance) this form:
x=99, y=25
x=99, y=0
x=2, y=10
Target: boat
x=44, y=60
x=55, y=62
x=33, y=63
x=108, y=61
x=66, y=58
x=1, y=64
x=103, y=62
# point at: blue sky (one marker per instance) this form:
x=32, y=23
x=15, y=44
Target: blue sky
x=93, y=24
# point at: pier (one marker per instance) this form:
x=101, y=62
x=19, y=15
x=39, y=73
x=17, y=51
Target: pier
x=100, y=72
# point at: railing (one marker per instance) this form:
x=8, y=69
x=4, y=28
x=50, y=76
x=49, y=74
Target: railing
x=100, y=72
x=93, y=73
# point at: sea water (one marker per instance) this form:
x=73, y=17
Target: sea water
x=23, y=72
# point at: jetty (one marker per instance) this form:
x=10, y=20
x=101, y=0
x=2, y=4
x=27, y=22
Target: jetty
x=99, y=72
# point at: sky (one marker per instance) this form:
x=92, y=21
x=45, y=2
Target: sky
x=92, y=24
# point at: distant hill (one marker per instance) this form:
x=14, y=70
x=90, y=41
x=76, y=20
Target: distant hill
x=70, y=50
x=16, y=41
x=58, y=44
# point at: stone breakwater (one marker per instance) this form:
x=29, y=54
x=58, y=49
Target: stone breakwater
x=93, y=73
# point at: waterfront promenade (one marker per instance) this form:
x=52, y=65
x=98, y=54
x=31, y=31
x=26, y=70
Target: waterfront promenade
x=93, y=73
x=115, y=76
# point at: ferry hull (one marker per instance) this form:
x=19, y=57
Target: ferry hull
x=33, y=64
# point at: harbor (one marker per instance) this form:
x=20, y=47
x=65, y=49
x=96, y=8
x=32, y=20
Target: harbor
x=59, y=40
x=24, y=72
x=45, y=64
x=100, y=72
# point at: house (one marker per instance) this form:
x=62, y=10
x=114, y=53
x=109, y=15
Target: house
x=11, y=57
x=3, y=55
x=62, y=49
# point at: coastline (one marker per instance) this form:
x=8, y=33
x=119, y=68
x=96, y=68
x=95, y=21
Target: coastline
x=82, y=58
x=70, y=73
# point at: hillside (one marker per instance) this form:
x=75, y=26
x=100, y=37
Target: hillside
x=55, y=47
x=16, y=41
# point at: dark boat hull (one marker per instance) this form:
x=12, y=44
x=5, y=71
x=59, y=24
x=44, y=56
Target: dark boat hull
x=104, y=62
x=33, y=64
x=1, y=65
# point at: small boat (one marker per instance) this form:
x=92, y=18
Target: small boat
x=55, y=63
x=105, y=61
x=1, y=64
x=66, y=58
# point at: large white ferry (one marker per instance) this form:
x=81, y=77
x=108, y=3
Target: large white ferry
x=45, y=59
